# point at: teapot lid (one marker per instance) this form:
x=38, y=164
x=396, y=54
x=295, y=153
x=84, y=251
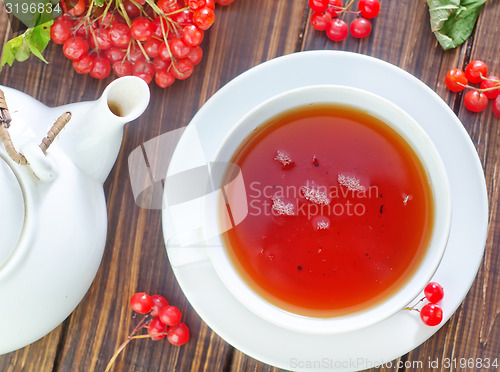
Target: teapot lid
x=12, y=210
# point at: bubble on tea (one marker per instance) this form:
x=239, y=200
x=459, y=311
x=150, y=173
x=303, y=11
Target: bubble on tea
x=406, y=198
x=315, y=195
x=352, y=183
x=321, y=223
x=280, y=208
x=284, y=159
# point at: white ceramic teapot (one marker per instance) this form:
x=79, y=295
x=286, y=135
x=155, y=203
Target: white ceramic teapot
x=53, y=219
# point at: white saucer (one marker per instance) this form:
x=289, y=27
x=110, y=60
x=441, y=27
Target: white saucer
x=402, y=332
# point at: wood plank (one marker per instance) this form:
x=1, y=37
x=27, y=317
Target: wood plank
x=134, y=258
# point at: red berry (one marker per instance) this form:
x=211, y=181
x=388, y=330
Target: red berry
x=369, y=8
x=360, y=27
x=156, y=327
x=145, y=66
x=152, y=47
x=204, y=18
x=196, y=4
x=122, y=68
x=60, y=31
x=74, y=8
x=100, y=39
x=496, y=106
x=119, y=35
x=146, y=76
x=184, y=17
x=492, y=82
x=84, y=65
x=160, y=64
x=168, y=6
x=170, y=315
x=455, y=80
x=195, y=55
x=337, y=30
x=165, y=52
x=141, y=29
x=318, y=5
x=66, y=18
x=101, y=68
x=334, y=7
x=192, y=35
x=183, y=69
x=475, y=70
x=159, y=302
x=178, y=334
x=431, y=314
x=75, y=48
x=179, y=48
x=107, y=20
x=163, y=78
x=132, y=10
x=157, y=27
x=434, y=292
x=141, y=303
x=320, y=21
x=475, y=101
x=115, y=54
x=211, y=3
x=135, y=54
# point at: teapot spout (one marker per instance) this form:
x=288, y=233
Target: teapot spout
x=94, y=139
x=126, y=98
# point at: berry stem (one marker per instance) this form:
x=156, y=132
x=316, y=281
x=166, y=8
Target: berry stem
x=91, y=8
x=118, y=351
x=130, y=337
x=123, y=12
x=485, y=78
x=347, y=7
x=414, y=307
x=142, y=50
x=139, y=325
x=105, y=12
x=497, y=86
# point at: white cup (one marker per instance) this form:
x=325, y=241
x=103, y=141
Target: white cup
x=422, y=145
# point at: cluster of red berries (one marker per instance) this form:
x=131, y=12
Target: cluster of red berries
x=160, y=319
x=431, y=313
x=166, y=319
x=151, y=39
x=476, y=99
x=328, y=16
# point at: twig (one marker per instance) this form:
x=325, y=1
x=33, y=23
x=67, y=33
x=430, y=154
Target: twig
x=55, y=130
x=5, y=120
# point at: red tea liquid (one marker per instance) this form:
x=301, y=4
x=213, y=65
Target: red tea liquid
x=339, y=211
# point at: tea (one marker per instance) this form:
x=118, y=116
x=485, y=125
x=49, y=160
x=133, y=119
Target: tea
x=340, y=211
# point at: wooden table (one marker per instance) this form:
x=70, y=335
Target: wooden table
x=245, y=34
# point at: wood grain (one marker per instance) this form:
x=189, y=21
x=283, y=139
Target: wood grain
x=244, y=35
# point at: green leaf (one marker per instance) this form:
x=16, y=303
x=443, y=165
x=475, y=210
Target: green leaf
x=452, y=21
x=8, y=51
x=39, y=39
x=33, y=41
